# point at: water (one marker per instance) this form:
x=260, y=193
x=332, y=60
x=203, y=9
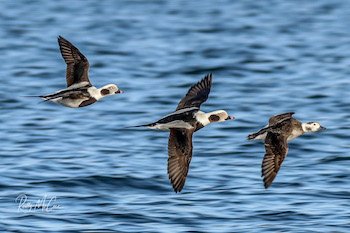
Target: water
x=267, y=57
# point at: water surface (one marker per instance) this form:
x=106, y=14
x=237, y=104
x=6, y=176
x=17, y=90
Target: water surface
x=267, y=57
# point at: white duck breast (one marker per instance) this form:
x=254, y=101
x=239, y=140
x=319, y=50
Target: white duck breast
x=79, y=91
x=281, y=129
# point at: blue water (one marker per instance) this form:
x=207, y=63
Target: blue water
x=82, y=171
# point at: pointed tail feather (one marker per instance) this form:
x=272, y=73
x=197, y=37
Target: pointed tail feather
x=138, y=126
x=255, y=135
x=38, y=96
x=33, y=96
x=45, y=98
x=252, y=136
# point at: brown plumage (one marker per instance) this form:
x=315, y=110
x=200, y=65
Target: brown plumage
x=79, y=92
x=281, y=117
x=197, y=94
x=180, y=140
x=281, y=129
x=77, y=64
x=276, y=149
x=180, y=155
x=182, y=123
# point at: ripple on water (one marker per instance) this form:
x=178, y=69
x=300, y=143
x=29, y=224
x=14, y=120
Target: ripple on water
x=267, y=59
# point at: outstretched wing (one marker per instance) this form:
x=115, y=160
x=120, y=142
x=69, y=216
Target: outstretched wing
x=279, y=118
x=197, y=94
x=276, y=149
x=180, y=155
x=77, y=64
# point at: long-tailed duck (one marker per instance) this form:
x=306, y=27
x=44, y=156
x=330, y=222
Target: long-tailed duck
x=79, y=91
x=276, y=135
x=182, y=124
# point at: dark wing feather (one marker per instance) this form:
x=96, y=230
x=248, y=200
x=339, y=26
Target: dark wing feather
x=276, y=148
x=276, y=123
x=279, y=118
x=180, y=155
x=197, y=94
x=77, y=63
x=78, y=93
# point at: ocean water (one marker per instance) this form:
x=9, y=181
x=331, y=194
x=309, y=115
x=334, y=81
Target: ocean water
x=82, y=170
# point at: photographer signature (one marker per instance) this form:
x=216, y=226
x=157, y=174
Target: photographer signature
x=44, y=204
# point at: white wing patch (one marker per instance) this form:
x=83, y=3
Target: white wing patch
x=178, y=124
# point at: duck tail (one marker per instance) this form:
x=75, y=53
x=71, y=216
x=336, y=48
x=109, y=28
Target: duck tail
x=44, y=98
x=257, y=134
x=33, y=96
x=252, y=136
x=138, y=126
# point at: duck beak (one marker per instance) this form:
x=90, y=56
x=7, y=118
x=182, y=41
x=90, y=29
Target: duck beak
x=119, y=92
x=322, y=128
x=230, y=118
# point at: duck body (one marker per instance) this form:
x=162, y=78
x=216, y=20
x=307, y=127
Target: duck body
x=281, y=129
x=79, y=92
x=182, y=123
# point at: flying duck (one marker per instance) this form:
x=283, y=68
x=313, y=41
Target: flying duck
x=79, y=91
x=276, y=135
x=182, y=123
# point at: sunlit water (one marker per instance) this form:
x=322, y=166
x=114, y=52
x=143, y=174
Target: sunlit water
x=85, y=172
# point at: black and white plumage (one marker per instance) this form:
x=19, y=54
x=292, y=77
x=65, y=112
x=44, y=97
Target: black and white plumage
x=276, y=135
x=79, y=91
x=182, y=124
